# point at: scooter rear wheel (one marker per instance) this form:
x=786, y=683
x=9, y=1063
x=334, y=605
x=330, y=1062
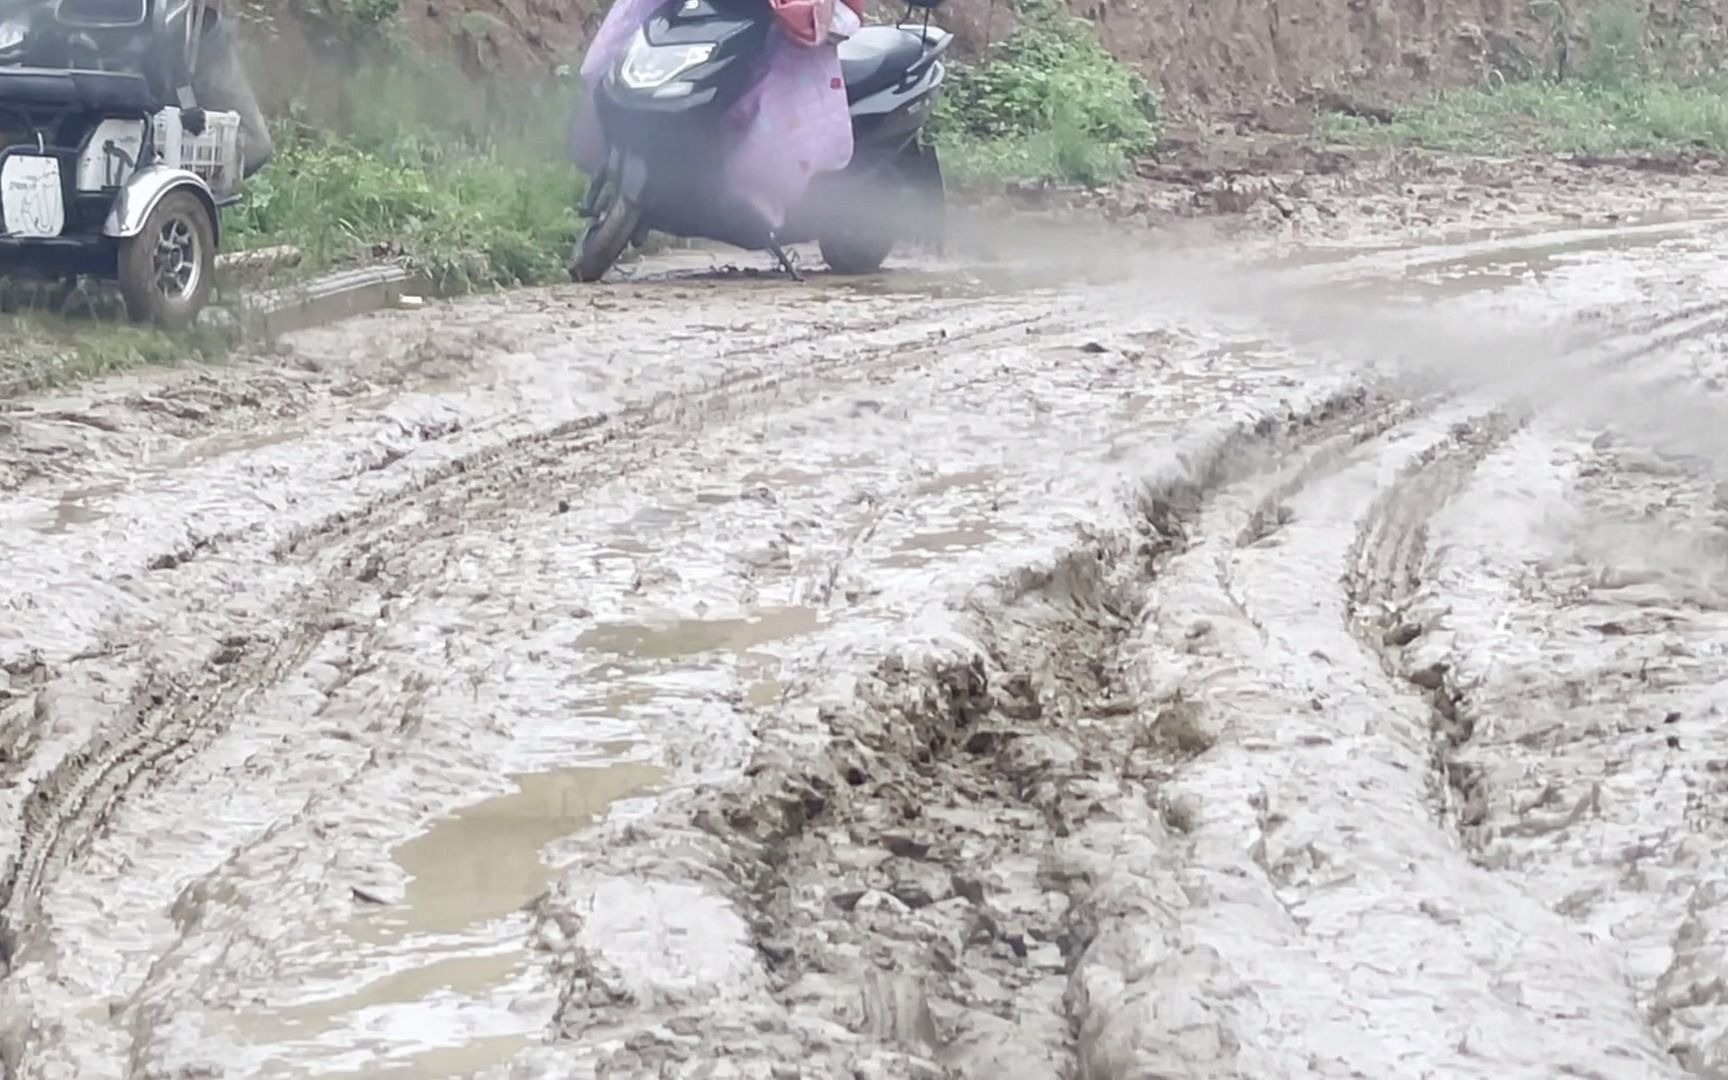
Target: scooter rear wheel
x=856, y=251
x=605, y=238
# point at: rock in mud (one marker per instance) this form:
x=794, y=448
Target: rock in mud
x=1183, y=729
x=1432, y=677
x=896, y=1011
x=1403, y=634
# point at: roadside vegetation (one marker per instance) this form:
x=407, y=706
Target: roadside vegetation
x=1609, y=85
x=468, y=208
x=408, y=160
x=461, y=175
x=464, y=180
x=43, y=351
x=419, y=163
x=1046, y=105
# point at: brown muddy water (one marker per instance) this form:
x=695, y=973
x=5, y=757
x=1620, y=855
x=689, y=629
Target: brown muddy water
x=471, y=871
x=1181, y=668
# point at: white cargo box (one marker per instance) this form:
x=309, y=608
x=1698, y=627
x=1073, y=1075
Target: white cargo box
x=214, y=155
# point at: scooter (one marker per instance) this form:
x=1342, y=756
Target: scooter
x=660, y=109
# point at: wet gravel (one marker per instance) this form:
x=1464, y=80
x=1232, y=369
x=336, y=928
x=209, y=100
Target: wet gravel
x=1182, y=670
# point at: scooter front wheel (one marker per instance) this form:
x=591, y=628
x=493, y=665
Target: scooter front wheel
x=605, y=238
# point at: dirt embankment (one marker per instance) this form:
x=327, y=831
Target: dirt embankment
x=1233, y=56
x=1218, y=59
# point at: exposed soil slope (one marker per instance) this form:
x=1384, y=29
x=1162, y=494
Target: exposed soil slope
x=1217, y=58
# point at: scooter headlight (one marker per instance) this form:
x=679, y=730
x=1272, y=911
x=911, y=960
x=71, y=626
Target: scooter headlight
x=12, y=33
x=648, y=66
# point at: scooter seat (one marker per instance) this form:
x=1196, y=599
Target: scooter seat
x=875, y=58
x=101, y=91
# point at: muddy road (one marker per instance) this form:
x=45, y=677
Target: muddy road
x=1210, y=666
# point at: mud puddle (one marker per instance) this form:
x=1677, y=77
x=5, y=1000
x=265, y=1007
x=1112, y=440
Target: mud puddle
x=924, y=548
x=1549, y=250
x=223, y=444
x=445, y=984
x=1492, y=271
x=985, y=273
x=77, y=507
x=1494, y=260
x=691, y=637
x=932, y=284
x=936, y=284
x=757, y=671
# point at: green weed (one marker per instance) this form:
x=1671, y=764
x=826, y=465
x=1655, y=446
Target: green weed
x=45, y=351
x=1620, y=99
x=1047, y=104
x=466, y=182
x=1562, y=118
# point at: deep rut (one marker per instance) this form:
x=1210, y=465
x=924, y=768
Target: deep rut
x=1164, y=795
x=916, y=883
x=174, y=713
x=366, y=561
x=1386, y=574
x=1272, y=655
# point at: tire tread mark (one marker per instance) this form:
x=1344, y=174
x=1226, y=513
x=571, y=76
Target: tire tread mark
x=170, y=720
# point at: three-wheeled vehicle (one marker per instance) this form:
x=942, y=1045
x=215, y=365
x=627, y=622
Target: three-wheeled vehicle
x=109, y=165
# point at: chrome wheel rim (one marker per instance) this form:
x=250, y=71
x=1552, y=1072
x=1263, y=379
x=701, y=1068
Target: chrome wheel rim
x=179, y=262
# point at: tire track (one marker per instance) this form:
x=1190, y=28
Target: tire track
x=1386, y=573
x=903, y=859
x=1230, y=671
x=180, y=979
x=1305, y=751
x=177, y=710
x=514, y=473
x=173, y=716
x=1386, y=565
x=1578, y=669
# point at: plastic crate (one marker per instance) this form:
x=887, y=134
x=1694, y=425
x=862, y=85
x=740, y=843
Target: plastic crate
x=213, y=155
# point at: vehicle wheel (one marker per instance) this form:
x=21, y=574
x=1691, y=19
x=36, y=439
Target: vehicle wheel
x=605, y=238
x=167, y=270
x=855, y=247
x=922, y=170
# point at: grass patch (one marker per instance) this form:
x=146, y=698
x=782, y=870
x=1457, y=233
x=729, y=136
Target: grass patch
x=1611, y=87
x=44, y=351
x=464, y=182
x=1553, y=117
x=1048, y=104
x=467, y=183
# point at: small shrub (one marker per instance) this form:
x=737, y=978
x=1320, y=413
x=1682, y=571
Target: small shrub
x=1049, y=103
x=356, y=19
x=1616, y=51
x=1622, y=100
x=431, y=169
